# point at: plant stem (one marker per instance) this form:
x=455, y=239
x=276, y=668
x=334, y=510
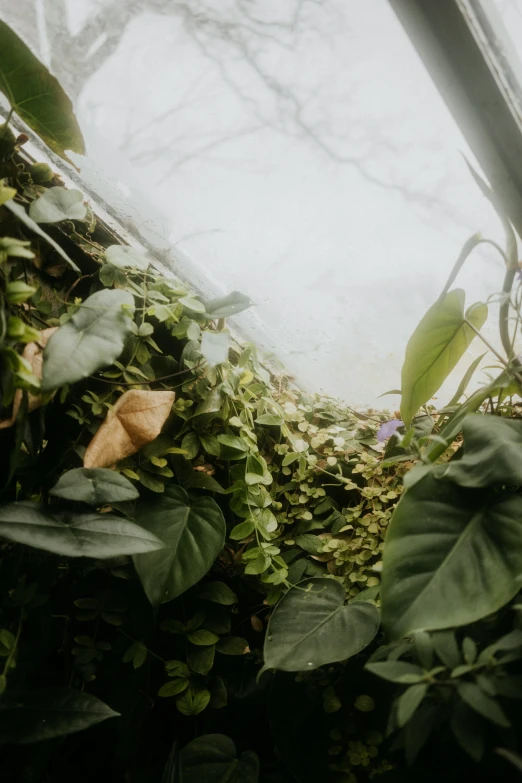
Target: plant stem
x=506, y=363
x=503, y=315
x=6, y=124
x=487, y=343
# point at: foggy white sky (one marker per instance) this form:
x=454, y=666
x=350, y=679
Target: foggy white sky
x=251, y=171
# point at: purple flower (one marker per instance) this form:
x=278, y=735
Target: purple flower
x=388, y=429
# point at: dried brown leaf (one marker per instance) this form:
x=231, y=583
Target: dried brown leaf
x=33, y=353
x=135, y=420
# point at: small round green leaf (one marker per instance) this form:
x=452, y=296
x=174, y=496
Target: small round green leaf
x=232, y=645
x=173, y=687
x=203, y=638
x=311, y=626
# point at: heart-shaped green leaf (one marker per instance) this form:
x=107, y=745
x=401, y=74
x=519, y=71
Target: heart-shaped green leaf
x=311, y=627
x=93, y=338
x=435, y=347
x=492, y=453
x=193, y=531
x=452, y=556
x=126, y=257
x=38, y=715
x=215, y=347
x=95, y=486
x=87, y=535
x=212, y=758
x=36, y=96
x=57, y=204
x=20, y=213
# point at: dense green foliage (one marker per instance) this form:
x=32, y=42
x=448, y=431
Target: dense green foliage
x=191, y=548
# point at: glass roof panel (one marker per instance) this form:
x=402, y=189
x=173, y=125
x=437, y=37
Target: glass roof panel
x=297, y=151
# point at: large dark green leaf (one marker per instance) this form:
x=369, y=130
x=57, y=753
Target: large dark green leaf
x=93, y=338
x=492, y=453
x=452, y=556
x=87, y=535
x=95, y=486
x=311, y=626
x=435, y=347
x=213, y=759
x=193, y=531
x=37, y=715
x=36, y=96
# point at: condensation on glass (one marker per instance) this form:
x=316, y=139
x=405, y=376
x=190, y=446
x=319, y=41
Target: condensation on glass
x=296, y=151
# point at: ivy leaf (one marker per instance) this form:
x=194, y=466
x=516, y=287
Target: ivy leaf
x=173, y=687
x=87, y=535
x=192, y=304
x=217, y=592
x=134, y=421
x=38, y=715
x=223, y=306
x=57, y=204
x=232, y=447
x=452, y=556
x=212, y=758
x=20, y=213
x=270, y=419
x=311, y=627
x=203, y=638
x=232, y=645
x=491, y=454
x=202, y=480
x=36, y=96
x=93, y=338
x=193, y=532
x=95, y=486
x=437, y=344
x=215, y=347
x=193, y=702
x=200, y=659
x=125, y=257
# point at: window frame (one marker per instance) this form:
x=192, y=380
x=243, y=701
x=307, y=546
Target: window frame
x=446, y=36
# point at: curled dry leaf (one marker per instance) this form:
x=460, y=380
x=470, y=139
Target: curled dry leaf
x=135, y=420
x=33, y=353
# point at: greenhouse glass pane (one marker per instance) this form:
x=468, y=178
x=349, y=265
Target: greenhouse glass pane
x=296, y=151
